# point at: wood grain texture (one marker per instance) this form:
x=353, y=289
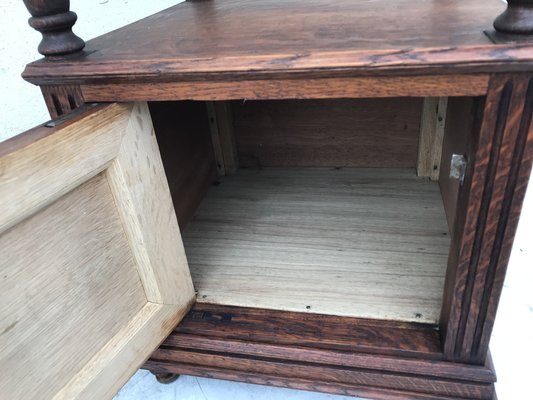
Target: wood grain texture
x=268, y=347
x=120, y=358
x=80, y=200
x=54, y=20
x=517, y=19
x=497, y=180
x=198, y=40
x=362, y=391
x=310, y=331
x=57, y=286
x=28, y=161
x=220, y=88
x=458, y=133
x=215, y=138
x=432, y=125
x=62, y=99
x=369, y=243
x=182, y=132
x=223, y=137
x=342, y=375
x=328, y=133
x=443, y=370
x=145, y=205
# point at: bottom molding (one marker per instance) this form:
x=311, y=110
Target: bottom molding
x=303, y=384
x=318, y=353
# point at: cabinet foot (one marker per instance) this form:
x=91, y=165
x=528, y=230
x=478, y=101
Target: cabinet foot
x=166, y=377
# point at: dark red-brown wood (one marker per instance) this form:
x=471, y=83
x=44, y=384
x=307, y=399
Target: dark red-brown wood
x=517, y=18
x=240, y=39
x=339, y=388
x=309, y=49
x=62, y=99
x=339, y=355
x=500, y=158
x=379, y=133
x=313, y=330
x=294, y=88
x=184, y=140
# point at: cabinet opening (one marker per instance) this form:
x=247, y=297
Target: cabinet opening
x=342, y=207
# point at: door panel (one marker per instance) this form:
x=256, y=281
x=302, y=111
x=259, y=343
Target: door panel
x=94, y=275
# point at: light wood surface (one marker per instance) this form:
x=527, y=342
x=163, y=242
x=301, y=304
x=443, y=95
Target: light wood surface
x=432, y=126
x=93, y=267
x=80, y=151
x=353, y=242
x=215, y=138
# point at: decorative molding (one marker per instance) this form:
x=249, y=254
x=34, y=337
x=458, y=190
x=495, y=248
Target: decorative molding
x=490, y=202
x=62, y=99
x=516, y=19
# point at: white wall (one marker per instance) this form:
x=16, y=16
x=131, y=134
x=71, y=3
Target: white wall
x=22, y=106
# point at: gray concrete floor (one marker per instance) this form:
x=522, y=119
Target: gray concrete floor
x=22, y=107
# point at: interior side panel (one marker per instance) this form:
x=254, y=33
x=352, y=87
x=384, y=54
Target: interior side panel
x=182, y=131
x=459, y=124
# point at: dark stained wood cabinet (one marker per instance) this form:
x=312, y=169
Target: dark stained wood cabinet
x=347, y=176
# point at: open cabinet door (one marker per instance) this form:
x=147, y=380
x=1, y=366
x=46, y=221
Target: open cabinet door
x=93, y=274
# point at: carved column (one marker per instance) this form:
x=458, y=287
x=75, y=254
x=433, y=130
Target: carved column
x=517, y=19
x=54, y=20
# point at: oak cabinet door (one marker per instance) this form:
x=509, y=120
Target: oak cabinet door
x=93, y=271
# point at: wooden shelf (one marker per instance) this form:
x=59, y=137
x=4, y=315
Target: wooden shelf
x=369, y=243
x=197, y=41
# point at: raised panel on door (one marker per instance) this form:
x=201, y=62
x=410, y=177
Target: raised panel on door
x=93, y=271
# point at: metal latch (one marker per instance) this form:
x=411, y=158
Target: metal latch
x=458, y=167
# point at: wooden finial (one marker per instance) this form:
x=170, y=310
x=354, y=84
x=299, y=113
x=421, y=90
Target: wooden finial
x=54, y=20
x=517, y=18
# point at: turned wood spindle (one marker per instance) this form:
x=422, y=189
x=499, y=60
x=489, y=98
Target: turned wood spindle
x=54, y=20
x=517, y=18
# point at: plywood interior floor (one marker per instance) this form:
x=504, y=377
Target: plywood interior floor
x=369, y=243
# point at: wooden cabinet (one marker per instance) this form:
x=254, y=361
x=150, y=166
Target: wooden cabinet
x=347, y=179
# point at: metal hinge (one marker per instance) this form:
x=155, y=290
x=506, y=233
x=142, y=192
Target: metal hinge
x=458, y=167
x=70, y=115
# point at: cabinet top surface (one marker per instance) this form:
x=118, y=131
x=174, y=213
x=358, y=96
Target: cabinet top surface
x=227, y=39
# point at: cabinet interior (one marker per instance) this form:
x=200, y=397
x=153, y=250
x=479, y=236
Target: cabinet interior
x=315, y=205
